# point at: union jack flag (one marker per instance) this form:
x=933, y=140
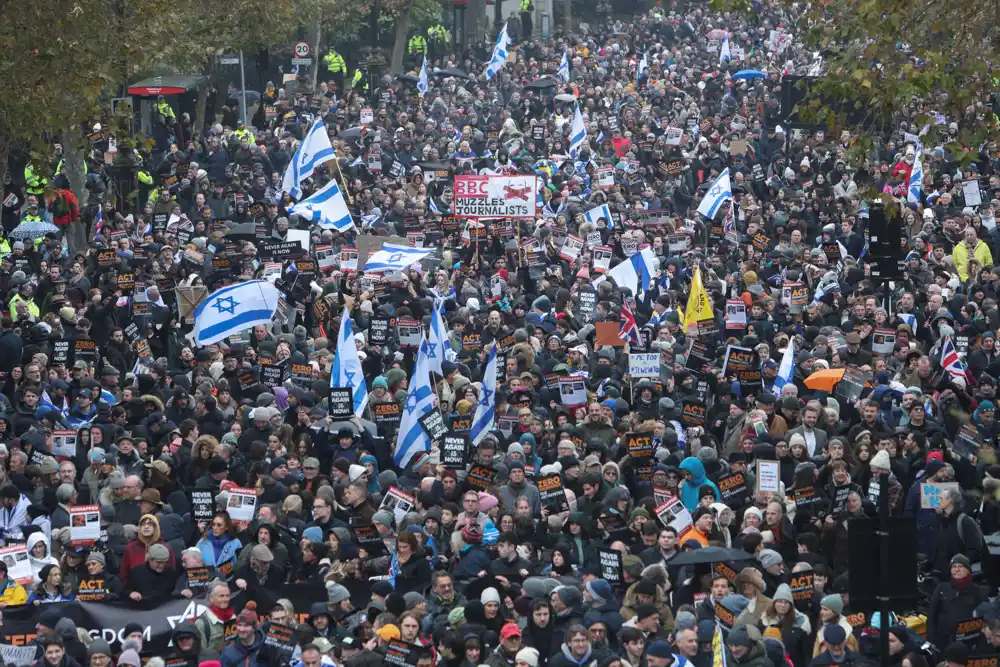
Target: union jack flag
x=628, y=329
x=951, y=362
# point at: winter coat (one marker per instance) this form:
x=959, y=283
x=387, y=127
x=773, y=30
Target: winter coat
x=689, y=488
x=564, y=658
x=472, y=560
x=227, y=556
x=950, y=605
x=629, y=603
x=135, y=553
x=819, y=645
x=795, y=638
x=239, y=654
x=38, y=563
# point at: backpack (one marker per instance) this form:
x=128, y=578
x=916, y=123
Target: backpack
x=977, y=568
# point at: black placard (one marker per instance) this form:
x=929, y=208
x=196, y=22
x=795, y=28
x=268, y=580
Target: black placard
x=280, y=640
x=454, y=448
x=369, y=540
x=387, y=416
x=480, y=477
x=612, y=566
x=202, y=505
x=272, y=374
x=733, y=489
x=552, y=493
x=378, y=330
x=401, y=654
x=433, y=424
x=60, y=351
x=280, y=250
x=341, y=403
x=86, y=350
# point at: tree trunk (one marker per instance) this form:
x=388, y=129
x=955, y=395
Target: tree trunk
x=76, y=233
x=569, y=16
x=317, y=52
x=399, y=44
x=200, y=122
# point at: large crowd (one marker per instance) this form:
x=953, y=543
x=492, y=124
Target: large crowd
x=664, y=480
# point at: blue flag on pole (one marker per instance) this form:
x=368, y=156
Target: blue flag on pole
x=314, y=150
x=326, y=208
x=412, y=437
x=346, y=371
x=482, y=423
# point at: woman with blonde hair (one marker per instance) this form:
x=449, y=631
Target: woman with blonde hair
x=793, y=625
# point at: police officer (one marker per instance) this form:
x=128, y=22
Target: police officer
x=527, y=8
x=336, y=66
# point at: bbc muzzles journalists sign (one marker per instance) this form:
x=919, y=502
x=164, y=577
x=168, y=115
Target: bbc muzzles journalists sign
x=495, y=196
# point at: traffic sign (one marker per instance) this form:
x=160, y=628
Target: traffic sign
x=302, y=61
x=302, y=49
x=229, y=60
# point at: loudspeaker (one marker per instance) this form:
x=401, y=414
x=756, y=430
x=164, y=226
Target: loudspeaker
x=865, y=580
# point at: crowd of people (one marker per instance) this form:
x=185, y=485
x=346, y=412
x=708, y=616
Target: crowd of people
x=696, y=514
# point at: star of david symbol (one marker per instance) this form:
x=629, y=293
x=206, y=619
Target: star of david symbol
x=226, y=304
x=396, y=257
x=350, y=377
x=411, y=404
x=430, y=350
x=487, y=393
x=716, y=190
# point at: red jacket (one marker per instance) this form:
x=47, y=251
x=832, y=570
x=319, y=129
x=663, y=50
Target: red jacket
x=65, y=208
x=135, y=555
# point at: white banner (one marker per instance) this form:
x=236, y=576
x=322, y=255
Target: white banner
x=644, y=365
x=495, y=196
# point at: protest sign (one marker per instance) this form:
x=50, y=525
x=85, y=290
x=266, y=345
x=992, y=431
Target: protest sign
x=242, y=504
x=64, y=443
x=733, y=489
x=553, y=496
x=612, y=567
x=84, y=524
x=453, y=450
x=931, y=492
x=202, y=505
x=341, y=403
x=768, y=476
x=494, y=196
x=398, y=502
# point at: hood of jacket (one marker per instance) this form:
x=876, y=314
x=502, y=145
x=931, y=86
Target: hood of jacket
x=156, y=531
x=34, y=539
x=696, y=468
x=569, y=655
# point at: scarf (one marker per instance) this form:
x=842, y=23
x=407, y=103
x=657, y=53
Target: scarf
x=218, y=543
x=962, y=582
x=223, y=614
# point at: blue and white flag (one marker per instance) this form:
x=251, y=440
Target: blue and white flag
x=423, y=85
x=914, y=187
x=314, y=150
x=564, y=68
x=412, y=437
x=395, y=258
x=577, y=134
x=438, y=343
x=326, y=207
x=786, y=369
x=598, y=212
x=432, y=205
x=233, y=309
x=724, y=53
x=909, y=319
x=641, y=68
x=635, y=273
x=499, y=54
x=482, y=423
x=99, y=223
x=346, y=371
x=718, y=193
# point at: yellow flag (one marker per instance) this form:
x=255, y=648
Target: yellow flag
x=699, y=306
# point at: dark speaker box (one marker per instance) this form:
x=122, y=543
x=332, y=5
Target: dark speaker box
x=865, y=581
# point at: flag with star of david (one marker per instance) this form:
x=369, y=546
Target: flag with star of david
x=346, y=371
x=486, y=409
x=719, y=192
x=437, y=341
x=412, y=437
x=233, y=309
x=395, y=258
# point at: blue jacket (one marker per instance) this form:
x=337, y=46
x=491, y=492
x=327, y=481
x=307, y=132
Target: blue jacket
x=689, y=489
x=228, y=553
x=238, y=654
x=473, y=560
x=928, y=522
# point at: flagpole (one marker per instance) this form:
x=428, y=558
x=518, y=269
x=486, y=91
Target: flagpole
x=343, y=181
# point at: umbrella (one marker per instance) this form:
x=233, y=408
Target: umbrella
x=541, y=84
x=709, y=555
x=369, y=426
x=408, y=78
x=452, y=71
x=825, y=379
x=717, y=33
x=351, y=133
x=565, y=97
x=253, y=97
x=29, y=231
x=749, y=74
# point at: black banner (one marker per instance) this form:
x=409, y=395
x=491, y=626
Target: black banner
x=612, y=567
x=453, y=450
x=341, y=403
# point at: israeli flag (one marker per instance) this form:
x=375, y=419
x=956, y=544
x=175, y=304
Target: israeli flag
x=314, y=151
x=641, y=67
x=564, y=68
x=422, y=83
x=915, y=185
x=419, y=401
x=909, y=319
x=440, y=345
x=395, y=258
x=233, y=309
x=326, y=208
x=346, y=371
x=724, y=53
x=634, y=273
x=432, y=205
x=598, y=212
x=482, y=423
x=717, y=194
x=577, y=133
x=499, y=54
x=786, y=370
